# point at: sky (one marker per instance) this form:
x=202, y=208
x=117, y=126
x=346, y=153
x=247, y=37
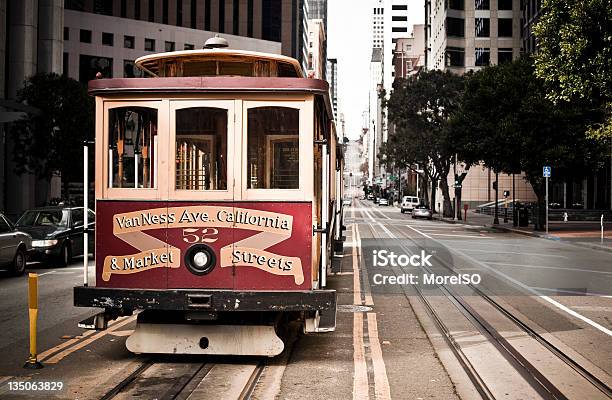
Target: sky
x=349, y=39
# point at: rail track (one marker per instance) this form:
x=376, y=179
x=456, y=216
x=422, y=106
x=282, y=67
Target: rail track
x=176, y=379
x=539, y=380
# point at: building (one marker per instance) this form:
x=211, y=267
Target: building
x=82, y=37
x=332, y=79
x=409, y=54
x=317, y=9
x=468, y=35
x=375, y=117
x=317, y=43
x=531, y=12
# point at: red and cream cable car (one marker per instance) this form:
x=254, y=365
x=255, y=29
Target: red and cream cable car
x=217, y=182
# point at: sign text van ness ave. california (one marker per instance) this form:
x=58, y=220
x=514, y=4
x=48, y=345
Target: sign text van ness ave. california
x=240, y=217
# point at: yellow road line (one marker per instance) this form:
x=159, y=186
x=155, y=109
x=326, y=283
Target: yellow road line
x=381, y=383
x=360, y=379
x=59, y=356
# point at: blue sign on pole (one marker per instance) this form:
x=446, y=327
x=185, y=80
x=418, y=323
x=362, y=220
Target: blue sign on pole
x=546, y=172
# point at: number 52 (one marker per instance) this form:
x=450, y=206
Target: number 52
x=199, y=235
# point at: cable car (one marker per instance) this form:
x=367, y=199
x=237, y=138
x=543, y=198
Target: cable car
x=217, y=190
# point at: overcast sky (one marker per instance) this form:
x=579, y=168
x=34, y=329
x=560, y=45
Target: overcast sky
x=349, y=39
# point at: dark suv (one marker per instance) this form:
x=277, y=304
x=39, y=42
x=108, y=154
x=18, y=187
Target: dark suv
x=57, y=232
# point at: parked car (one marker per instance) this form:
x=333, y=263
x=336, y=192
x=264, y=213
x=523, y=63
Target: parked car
x=370, y=196
x=14, y=247
x=408, y=203
x=422, y=211
x=347, y=201
x=383, y=202
x=57, y=232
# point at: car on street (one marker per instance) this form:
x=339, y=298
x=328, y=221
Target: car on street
x=14, y=247
x=422, y=211
x=347, y=201
x=57, y=232
x=409, y=203
x=370, y=196
x=383, y=202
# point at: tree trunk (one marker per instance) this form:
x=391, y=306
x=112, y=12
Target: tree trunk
x=434, y=184
x=448, y=207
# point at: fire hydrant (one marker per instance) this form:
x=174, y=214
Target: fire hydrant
x=565, y=217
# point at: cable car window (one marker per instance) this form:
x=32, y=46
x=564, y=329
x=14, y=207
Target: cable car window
x=201, y=149
x=286, y=70
x=133, y=146
x=273, y=148
x=199, y=68
x=235, y=68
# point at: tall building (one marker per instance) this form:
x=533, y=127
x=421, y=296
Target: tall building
x=332, y=79
x=531, y=12
x=409, y=54
x=317, y=9
x=375, y=117
x=317, y=62
x=467, y=35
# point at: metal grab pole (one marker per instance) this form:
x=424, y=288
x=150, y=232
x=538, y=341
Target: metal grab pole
x=85, y=212
x=547, y=205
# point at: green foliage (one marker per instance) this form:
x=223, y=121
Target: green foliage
x=53, y=140
x=574, y=55
x=420, y=108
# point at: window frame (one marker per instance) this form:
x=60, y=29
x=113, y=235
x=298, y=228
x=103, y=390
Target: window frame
x=154, y=193
x=232, y=162
x=305, y=149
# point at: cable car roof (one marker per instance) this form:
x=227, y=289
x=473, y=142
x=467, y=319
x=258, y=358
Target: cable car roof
x=153, y=63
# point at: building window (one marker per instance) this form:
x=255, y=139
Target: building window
x=504, y=55
x=130, y=70
x=504, y=27
x=201, y=149
x=169, y=46
x=271, y=20
x=89, y=66
x=250, y=18
x=399, y=18
x=123, y=8
x=149, y=45
x=179, y=13
x=399, y=29
x=455, y=57
x=483, y=27
x=85, y=36
x=398, y=7
x=483, y=57
x=222, y=16
x=65, y=64
x=188, y=46
x=128, y=42
x=194, y=13
x=108, y=39
x=236, y=20
x=165, y=12
x=456, y=4
x=273, y=148
x=103, y=7
x=455, y=27
x=481, y=4
x=66, y=33
x=132, y=138
x=207, y=15
x=137, y=9
x=504, y=4
x=151, y=10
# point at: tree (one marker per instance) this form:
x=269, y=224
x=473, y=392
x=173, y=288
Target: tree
x=574, y=53
x=52, y=141
x=506, y=122
x=420, y=107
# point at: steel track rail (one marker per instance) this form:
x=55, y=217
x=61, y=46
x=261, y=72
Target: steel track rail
x=586, y=374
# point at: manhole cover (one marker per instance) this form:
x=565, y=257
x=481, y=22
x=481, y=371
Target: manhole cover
x=353, y=308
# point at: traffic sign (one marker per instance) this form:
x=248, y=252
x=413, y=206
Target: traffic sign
x=546, y=172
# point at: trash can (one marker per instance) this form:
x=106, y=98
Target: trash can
x=523, y=216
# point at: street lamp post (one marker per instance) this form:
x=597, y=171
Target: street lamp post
x=496, y=219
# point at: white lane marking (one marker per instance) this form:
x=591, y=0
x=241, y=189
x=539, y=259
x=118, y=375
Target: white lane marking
x=508, y=252
x=369, y=301
x=356, y=277
x=381, y=382
x=525, y=287
x=549, y=267
x=572, y=292
x=47, y=273
x=463, y=236
x=380, y=212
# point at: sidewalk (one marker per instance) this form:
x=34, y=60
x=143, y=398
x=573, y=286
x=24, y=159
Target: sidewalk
x=579, y=233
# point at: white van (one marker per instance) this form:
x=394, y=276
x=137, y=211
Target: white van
x=408, y=203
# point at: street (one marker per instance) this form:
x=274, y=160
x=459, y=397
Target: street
x=389, y=339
